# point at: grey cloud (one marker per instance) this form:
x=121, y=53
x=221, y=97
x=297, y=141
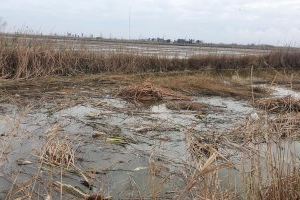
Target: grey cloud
x=247, y=21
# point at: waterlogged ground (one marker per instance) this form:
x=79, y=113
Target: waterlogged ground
x=132, y=151
x=183, y=51
x=180, y=51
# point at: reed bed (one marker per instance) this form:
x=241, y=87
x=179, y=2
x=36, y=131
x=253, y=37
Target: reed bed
x=267, y=128
x=30, y=58
x=259, y=163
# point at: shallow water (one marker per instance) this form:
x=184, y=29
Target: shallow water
x=153, y=135
x=171, y=51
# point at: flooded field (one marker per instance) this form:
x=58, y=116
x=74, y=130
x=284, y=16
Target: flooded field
x=88, y=140
x=180, y=51
x=161, y=50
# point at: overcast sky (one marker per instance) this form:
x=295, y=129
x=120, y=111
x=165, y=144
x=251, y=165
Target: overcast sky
x=229, y=21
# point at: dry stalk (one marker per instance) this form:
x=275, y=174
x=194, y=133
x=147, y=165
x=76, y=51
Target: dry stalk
x=58, y=151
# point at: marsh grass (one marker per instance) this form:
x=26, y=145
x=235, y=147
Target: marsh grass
x=31, y=58
x=272, y=172
x=257, y=161
x=266, y=166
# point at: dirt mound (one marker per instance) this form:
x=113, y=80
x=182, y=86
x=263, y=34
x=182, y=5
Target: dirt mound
x=147, y=92
x=277, y=105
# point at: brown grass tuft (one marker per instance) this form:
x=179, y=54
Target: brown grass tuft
x=279, y=105
x=148, y=92
x=58, y=151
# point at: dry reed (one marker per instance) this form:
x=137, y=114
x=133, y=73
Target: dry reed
x=279, y=105
x=30, y=58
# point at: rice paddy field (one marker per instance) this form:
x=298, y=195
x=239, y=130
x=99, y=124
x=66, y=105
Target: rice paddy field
x=95, y=121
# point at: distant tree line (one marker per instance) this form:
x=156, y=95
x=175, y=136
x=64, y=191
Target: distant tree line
x=158, y=40
x=169, y=41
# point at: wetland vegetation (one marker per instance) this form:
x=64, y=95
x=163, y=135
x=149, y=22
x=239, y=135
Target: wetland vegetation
x=77, y=123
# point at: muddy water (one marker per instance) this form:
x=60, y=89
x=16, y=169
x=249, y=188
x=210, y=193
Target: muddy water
x=153, y=142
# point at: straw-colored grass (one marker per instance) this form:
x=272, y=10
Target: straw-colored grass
x=279, y=105
x=260, y=164
x=207, y=84
x=148, y=92
x=30, y=58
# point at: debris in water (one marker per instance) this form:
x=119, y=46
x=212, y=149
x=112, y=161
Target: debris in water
x=156, y=128
x=99, y=134
x=254, y=116
x=78, y=193
x=23, y=162
x=200, y=116
x=116, y=140
x=140, y=168
x=186, y=105
x=86, y=184
x=71, y=190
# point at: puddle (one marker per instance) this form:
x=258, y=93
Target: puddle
x=222, y=114
x=233, y=112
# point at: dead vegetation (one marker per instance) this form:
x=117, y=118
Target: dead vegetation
x=186, y=105
x=212, y=155
x=57, y=160
x=259, y=159
x=267, y=128
x=279, y=105
x=273, y=173
x=208, y=84
x=30, y=58
x=58, y=151
x=263, y=174
x=148, y=92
